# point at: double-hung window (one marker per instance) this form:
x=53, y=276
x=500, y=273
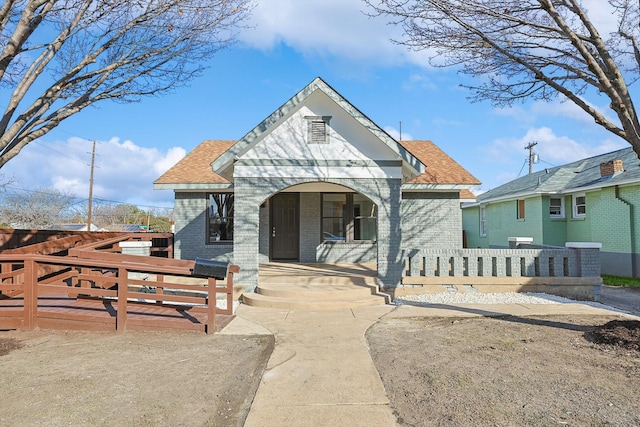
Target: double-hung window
x=219, y=217
x=556, y=207
x=579, y=205
x=348, y=217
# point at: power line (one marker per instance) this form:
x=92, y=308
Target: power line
x=83, y=200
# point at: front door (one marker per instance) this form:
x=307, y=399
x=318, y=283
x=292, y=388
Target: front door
x=285, y=227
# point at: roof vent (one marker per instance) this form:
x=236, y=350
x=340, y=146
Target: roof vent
x=611, y=167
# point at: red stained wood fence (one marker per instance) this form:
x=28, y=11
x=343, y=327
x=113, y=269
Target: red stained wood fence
x=97, y=288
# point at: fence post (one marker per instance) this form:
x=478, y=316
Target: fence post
x=211, y=305
x=588, y=257
x=30, y=293
x=123, y=290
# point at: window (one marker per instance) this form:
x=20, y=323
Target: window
x=220, y=217
x=334, y=209
x=520, y=209
x=483, y=221
x=556, y=207
x=318, y=127
x=579, y=206
x=364, y=218
x=348, y=217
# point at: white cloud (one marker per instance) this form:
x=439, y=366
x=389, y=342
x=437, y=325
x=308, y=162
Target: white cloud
x=323, y=28
x=174, y=155
x=559, y=150
x=551, y=148
x=124, y=171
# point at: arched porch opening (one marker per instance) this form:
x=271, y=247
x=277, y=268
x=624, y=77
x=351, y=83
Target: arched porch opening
x=317, y=243
x=318, y=222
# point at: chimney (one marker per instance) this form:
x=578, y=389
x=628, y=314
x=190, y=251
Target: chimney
x=611, y=167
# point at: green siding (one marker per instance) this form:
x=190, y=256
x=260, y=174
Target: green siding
x=611, y=223
x=471, y=226
x=613, y=219
x=631, y=196
x=502, y=223
x=579, y=229
x=554, y=230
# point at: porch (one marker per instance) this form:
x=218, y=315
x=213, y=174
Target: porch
x=316, y=286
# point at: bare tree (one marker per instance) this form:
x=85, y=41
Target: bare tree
x=37, y=209
x=531, y=49
x=60, y=56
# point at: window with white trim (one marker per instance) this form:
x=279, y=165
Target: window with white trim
x=483, y=221
x=579, y=205
x=556, y=207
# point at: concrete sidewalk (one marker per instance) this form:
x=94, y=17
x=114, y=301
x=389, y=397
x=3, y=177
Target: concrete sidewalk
x=321, y=373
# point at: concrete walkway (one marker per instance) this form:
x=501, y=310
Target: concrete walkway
x=321, y=374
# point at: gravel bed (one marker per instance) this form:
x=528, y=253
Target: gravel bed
x=491, y=298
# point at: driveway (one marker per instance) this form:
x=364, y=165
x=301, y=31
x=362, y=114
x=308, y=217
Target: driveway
x=627, y=299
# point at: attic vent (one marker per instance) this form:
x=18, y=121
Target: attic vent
x=318, y=129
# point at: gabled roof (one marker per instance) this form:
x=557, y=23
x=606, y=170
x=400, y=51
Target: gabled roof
x=573, y=177
x=441, y=169
x=194, y=170
x=222, y=164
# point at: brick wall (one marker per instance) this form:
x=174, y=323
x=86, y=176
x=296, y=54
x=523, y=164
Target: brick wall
x=431, y=220
x=190, y=235
x=309, y=226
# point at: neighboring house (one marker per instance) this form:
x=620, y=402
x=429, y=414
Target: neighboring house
x=316, y=181
x=591, y=200
x=74, y=227
x=127, y=228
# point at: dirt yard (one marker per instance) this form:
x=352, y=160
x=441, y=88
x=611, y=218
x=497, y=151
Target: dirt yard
x=576, y=371
x=55, y=378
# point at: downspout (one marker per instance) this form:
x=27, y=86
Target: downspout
x=632, y=228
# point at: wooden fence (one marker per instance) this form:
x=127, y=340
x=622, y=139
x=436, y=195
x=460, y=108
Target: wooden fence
x=47, y=242
x=98, y=288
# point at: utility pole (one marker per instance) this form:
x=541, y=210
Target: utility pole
x=531, y=155
x=93, y=159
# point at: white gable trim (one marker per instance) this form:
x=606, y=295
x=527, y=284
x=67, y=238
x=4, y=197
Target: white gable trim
x=223, y=163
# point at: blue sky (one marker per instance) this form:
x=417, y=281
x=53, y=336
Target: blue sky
x=290, y=43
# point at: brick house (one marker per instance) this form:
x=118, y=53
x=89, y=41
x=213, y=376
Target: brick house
x=316, y=182
x=590, y=200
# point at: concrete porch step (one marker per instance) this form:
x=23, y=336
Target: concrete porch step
x=317, y=292
x=316, y=286
x=318, y=280
x=302, y=303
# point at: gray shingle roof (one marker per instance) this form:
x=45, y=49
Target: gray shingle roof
x=570, y=178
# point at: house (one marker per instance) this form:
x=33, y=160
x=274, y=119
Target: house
x=590, y=200
x=74, y=227
x=316, y=182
